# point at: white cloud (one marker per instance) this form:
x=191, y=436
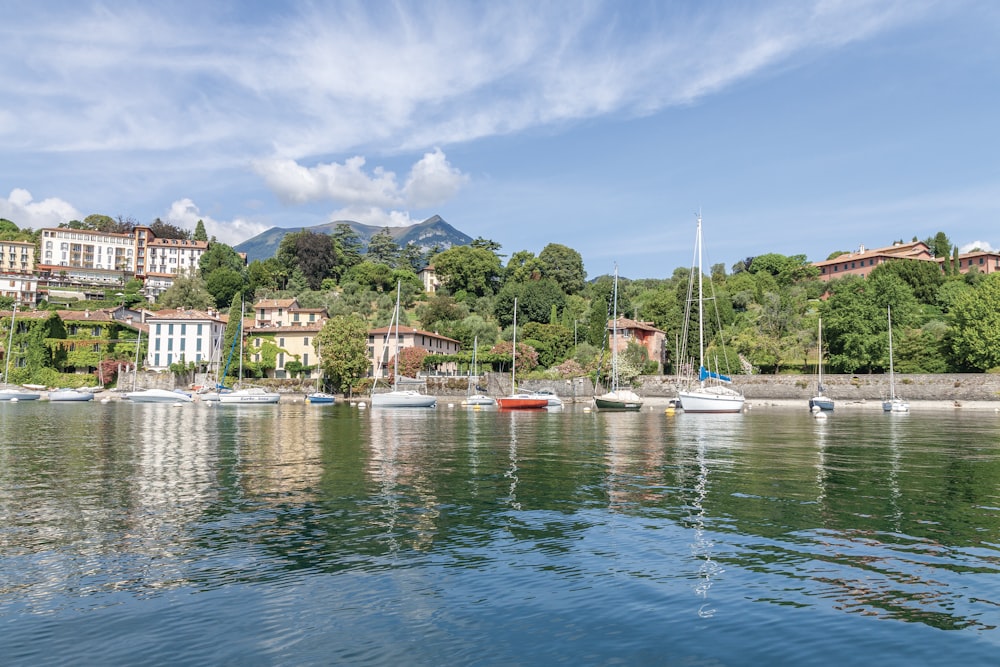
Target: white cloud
x=345, y=182
x=981, y=245
x=21, y=209
x=431, y=181
x=185, y=214
x=374, y=216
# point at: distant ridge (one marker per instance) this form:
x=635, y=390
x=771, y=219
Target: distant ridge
x=433, y=231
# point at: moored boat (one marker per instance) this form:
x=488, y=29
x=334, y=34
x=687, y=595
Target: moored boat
x=398, y=398
x=711, y=393
x=158, y=396
x=70, y=395
x=519, y=400
x=617, y=399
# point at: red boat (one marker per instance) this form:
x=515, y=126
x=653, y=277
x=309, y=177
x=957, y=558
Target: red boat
x=523, y=402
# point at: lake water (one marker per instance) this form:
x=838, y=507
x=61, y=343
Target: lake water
x=308, y=535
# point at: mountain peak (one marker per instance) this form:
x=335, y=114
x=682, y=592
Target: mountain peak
x=434, y=231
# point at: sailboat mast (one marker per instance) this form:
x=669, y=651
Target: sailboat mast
x=701, y=307
x=614, y=335
x=513, y=353
x=892, y=377
x=395, y=356
x=240, y=333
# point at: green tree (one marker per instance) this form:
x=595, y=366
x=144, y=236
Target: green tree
x=342, y=349
x=223, y=284
x=199, y=231
x=564, y=265
x=378, y=277
x=924, y=278
x=522, y=267
x=975, y=325
x=187, y=291
x=467, y=269
x=383, y=249
x=232, y=335
x=553, y=342
x=166, y=230
x=219, y=256
x=311, y=253
x=348, y=246
x=534, y=301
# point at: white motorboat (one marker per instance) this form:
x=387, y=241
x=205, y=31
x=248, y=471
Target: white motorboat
x=158, y=396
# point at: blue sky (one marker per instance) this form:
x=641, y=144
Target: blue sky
x=797, y=127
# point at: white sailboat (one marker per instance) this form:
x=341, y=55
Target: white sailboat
x=819, y=401
x=618, y=399
x=893, y=403
x=247, y=395
x=476, y=399
x=10, y=392
x=712, y=393
x=397, y=398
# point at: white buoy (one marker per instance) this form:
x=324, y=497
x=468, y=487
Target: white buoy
x=361, y=405
x=14, y=400
x=821, y=416
x=815, y=408
x=587, y=409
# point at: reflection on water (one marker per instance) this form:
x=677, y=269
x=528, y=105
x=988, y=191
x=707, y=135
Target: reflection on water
x=374, y=537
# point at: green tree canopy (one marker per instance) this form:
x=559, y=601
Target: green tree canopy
x=166, y=230
x=187, y=291
x=467, y=269
x=564, y=265
x=383, y=249
x=311, y=253
x=199, y=231
x=975, y=325
x=535, y=299
x=342, y=348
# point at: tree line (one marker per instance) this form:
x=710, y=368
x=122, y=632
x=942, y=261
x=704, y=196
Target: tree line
x=768, y=306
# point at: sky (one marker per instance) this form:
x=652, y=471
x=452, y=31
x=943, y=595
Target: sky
x=799, y=127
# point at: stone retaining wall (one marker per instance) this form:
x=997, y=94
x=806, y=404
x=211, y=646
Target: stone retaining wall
x=945, y=387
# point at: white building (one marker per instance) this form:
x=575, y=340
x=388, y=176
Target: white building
x=177, y=336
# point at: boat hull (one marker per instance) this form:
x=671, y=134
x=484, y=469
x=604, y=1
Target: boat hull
x=14, y=394
x=711, y=402
x=320, y=398
x=523, y=402
x=621, y=400
x=480, y=400
x=821, y=403
x=617, y=405
x=895, y=405
x=249, y=397
x=70, y=395
x=157, y=396
x=403, y=399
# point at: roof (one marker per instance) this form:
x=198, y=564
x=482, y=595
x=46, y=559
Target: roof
x=912, y=250
x=183, y=314
x=626, y=323
x=276, y=303
x=382, y=331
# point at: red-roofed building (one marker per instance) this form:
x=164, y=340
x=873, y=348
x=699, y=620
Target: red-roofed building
x=863, y=261
x=643, y=333
x=382, y=346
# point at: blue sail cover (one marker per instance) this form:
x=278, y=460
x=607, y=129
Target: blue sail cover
x=704, y=374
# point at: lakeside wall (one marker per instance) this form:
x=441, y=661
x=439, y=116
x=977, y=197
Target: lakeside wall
x=937, y=387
